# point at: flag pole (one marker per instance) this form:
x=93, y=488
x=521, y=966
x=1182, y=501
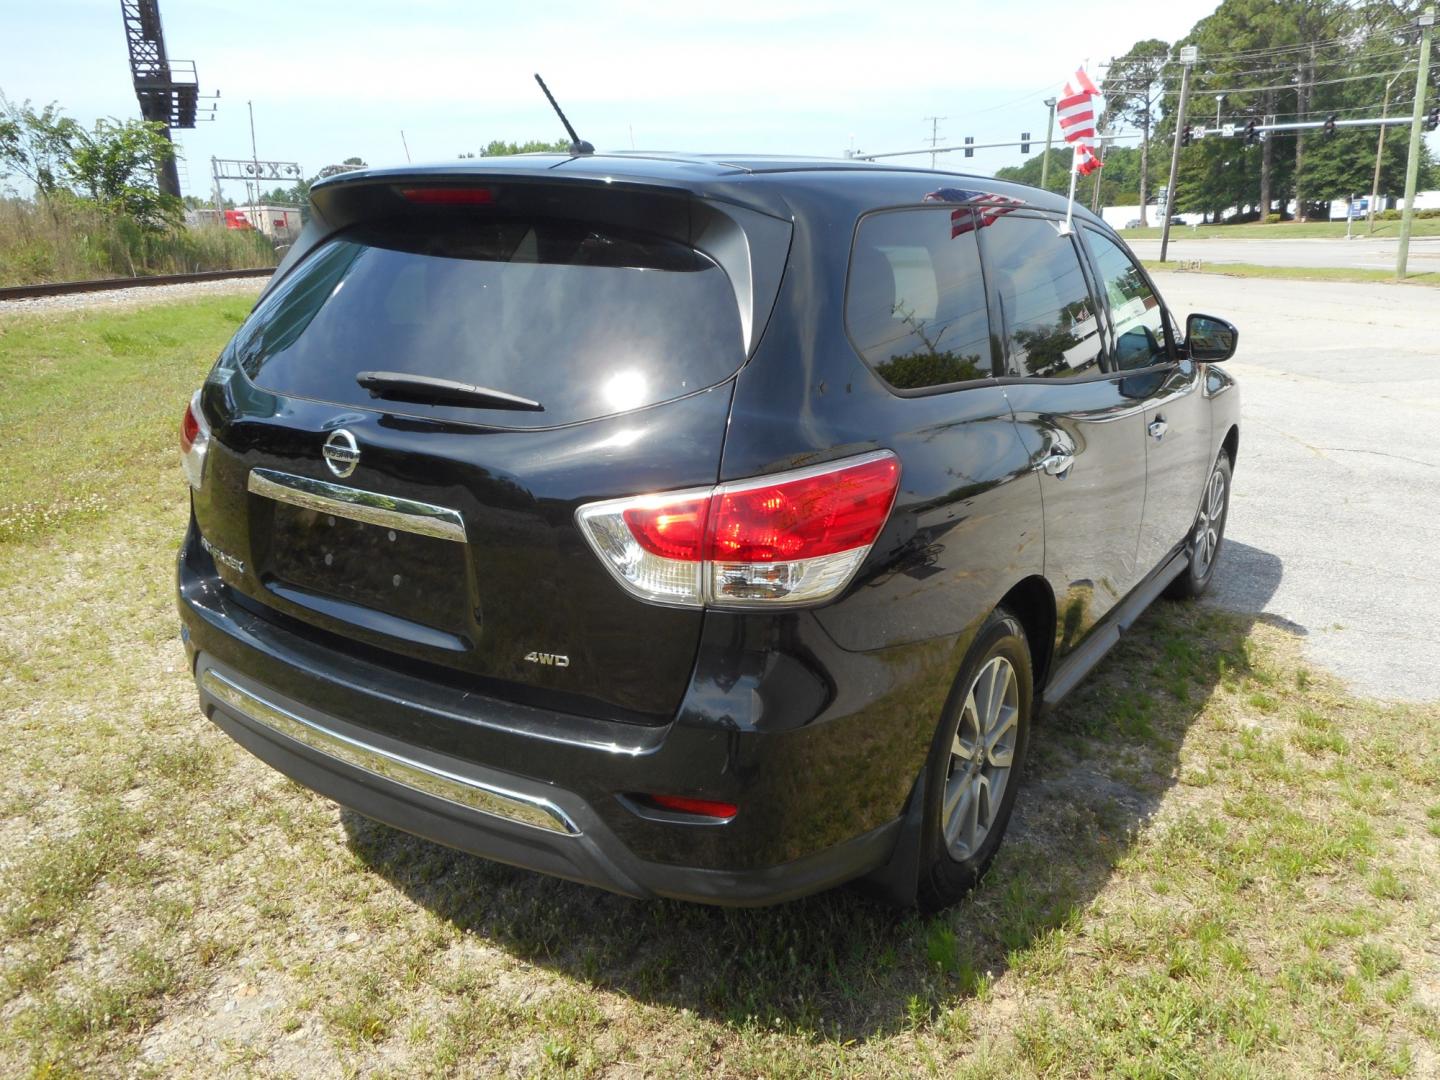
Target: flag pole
x=1070, y=204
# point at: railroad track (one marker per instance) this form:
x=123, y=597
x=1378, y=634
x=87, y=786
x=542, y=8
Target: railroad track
x=62, y=288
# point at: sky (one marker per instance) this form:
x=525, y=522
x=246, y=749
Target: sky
x=330, y=79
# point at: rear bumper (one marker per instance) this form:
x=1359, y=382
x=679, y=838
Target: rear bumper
x=503, y=817
x=534, y=788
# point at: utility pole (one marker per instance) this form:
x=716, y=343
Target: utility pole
x=934, y=135
x=1188, y=55
x=1049, y=132
x=1426, y=22
x=255, y=157
x=1104, y=148
x=1379, y=151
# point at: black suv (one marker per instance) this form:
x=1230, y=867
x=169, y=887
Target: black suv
x=705, y=528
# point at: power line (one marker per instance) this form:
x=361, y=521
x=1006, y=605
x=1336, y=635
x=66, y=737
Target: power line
x=1277, y=62
x=1350, y=41
x=1295, y=52
x=1406, y=104
x=1143, y=76
x=1338, y=62
x=1296, y=85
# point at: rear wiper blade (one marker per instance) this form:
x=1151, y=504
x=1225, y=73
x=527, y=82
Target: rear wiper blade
x=429, y=390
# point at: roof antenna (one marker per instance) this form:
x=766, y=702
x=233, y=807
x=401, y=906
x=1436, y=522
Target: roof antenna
x=578, y=146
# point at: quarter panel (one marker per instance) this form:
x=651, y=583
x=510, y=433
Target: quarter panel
x=848, y=695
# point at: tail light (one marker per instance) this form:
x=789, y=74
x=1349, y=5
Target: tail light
x=791, y=538
x=449, y=196
x=194, y=442
x=684, y=804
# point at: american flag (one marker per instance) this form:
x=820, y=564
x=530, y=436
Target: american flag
x=982, y=208
x=1076, y=113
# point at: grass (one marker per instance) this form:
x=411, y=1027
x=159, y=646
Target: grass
x=1286, y=230
x=1291, y=273
x=1221, y=865
x=67, y=239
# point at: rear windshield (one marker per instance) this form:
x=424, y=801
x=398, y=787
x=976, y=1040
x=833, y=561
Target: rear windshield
x=585, y=320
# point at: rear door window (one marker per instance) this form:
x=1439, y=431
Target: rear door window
x=1050, y=323
x=1135, y=310
x=915, y=301
x=588, y=321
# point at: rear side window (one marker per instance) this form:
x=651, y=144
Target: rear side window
x=915, y=302
x=1051, y=328
x=1134, y=308
x=587, y=321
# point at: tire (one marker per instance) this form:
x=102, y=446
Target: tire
x=1206, y=535
x=957, y=842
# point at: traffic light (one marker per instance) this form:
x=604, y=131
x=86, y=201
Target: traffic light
x=1251, y=135
x=1330, y=123
x=1432, y=120
x=1185, y=136
x=968, y=140
x=1024, y=142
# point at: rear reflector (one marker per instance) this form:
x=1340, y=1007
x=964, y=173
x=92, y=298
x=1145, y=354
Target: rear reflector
x=189, y=429
x=449, y=196
x=194, y=442
x=681, y=804
x=791, y=538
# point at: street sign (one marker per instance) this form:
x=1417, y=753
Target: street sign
x=1228, y=130
x=1197, y=132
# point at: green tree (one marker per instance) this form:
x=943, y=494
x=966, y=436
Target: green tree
x=1119, y=179
x=1134, y=90
x=114, y=165
x=349, y=164
x=34, y=145
x=1296, y=61
x=1029, y=172
x=501, y=148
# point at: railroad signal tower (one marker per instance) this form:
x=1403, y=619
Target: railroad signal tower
x=168, y=90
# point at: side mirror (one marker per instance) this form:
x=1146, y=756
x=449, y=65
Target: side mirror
x=1210, y=340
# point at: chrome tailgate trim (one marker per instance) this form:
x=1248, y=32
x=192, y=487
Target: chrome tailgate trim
x=370, y=507
x=426, y=779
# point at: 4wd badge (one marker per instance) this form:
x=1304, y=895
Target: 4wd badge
x=546, y=659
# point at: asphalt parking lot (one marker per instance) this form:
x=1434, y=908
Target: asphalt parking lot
x=1361, y=253
x=1335, y=515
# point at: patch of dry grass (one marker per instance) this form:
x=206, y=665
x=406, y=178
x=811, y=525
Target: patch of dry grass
x=1222, y=864
x=66, y=239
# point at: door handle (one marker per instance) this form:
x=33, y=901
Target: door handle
x=1158, y=427
x=1057, y=463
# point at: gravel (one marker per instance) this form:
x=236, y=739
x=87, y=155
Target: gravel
x=123, y=299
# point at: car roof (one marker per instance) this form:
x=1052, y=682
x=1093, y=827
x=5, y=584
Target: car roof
x=728, y=175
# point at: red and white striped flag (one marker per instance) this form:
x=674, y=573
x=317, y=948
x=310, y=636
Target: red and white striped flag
x=1076, y=112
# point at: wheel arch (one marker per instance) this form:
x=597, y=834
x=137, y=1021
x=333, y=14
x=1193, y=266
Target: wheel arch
x=1033, y=603
x=1231, y=443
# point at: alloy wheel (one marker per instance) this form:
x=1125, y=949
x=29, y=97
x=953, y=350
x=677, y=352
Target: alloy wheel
x=981, y=757
x=1207, y=527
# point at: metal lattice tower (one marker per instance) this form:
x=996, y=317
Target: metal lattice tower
x=168, y=90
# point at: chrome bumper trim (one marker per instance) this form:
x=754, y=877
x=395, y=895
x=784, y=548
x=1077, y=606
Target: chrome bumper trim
x=426, y=779
x=370, y=507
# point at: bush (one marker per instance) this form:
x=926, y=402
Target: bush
x=1274, y=219
x=1396, y=215
x=65, y=238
